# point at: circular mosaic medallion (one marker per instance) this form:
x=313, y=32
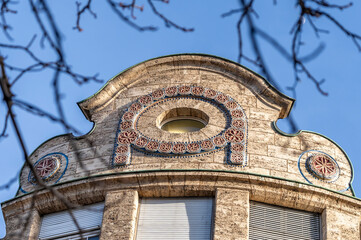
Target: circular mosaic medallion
x=231, y=105
x=47, y=167
x=121, y=159
x=135, y=107
x=158, y=94
x=152, y=146
x=179, y=148
x=238, y=123
x=237, y=113
x=193, y=147
x=125, y=125
x=219, y=141
x=322, y=166
x=128, y=116
x=210, y=93
x=171, y=91
x=145, y=100
x=237, y=158
x=207, y=145
x=237, y=148
x=165, y=147
x=122, y=149
x=184, y=90
x=50, y=168
x=234, y=135
x=141, y=142
x=127, y=137
x=197, y=90
x=222, y=98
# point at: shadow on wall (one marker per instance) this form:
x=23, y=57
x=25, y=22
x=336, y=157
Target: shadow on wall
x=199, y=214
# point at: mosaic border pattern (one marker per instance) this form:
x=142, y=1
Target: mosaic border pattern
x=233, y=138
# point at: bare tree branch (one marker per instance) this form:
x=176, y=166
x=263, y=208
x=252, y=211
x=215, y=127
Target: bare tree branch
x=5, y=127
x=5, y=87
x=3, y=22
x=115, y=6
x=81, y=11
x=11, y=181
x=167, y=22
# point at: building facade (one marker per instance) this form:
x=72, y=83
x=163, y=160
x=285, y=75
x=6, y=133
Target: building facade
x=186, y=147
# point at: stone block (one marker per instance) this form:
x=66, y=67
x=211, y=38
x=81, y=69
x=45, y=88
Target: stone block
x=284, y=153
x=120, y=215
x=257, y=148
x=262, y=114
x=287, y=142
x=261, y=137
x=260, y=126
x=231, y=214
x=260, y=161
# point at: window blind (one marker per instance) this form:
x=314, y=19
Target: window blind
x=60, y=224
x=279, y=223
x=175, y=218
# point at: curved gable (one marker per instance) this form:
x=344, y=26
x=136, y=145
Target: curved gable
x=239, y=109
x=184, y=64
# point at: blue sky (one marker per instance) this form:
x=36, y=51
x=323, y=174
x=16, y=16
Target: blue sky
x=108, y=46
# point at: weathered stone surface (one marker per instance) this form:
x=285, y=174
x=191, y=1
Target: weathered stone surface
x=120, y=215
x=231, y=218
x=121, y=190
x=337, y=225
x=23, y=226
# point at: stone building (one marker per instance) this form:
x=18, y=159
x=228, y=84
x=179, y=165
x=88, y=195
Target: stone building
x=187, y=147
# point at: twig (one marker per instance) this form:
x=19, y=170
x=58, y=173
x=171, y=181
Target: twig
x=81, y=11
x=114, y=7
x=5, y=87
x=11, y=181
x=5, y=127
x=167, y=22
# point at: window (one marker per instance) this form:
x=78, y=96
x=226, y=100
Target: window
x=183, y=125
x=175, y=218
x=280, y=223
x=182, y=120
x=60, y=225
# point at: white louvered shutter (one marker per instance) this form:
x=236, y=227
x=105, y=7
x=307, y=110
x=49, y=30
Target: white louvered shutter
x=175, y=218
x=278, y=223
x=60, y=224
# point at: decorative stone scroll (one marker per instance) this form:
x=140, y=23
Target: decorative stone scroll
x=232, y=137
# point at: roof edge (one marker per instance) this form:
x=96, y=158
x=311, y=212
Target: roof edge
x=108, y=90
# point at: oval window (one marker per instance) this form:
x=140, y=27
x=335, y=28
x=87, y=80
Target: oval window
x=183, y=126
x=182, y=120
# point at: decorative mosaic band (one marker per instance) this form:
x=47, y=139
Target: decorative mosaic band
x=233, y=136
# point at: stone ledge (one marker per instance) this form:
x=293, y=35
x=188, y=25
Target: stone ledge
x=187, y=183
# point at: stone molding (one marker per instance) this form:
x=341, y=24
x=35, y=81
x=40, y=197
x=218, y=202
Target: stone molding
x=176, y=63
x=188, y=183
x=192, y=184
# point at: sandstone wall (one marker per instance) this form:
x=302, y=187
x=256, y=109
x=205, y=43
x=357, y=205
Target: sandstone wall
x=268, y=151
